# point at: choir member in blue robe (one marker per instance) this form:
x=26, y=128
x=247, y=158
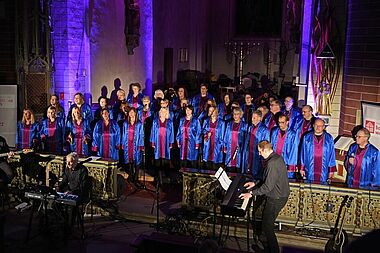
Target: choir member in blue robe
x=123, y=113
x=135, y=96
x=60, y=111
x=224, y=108
x=106, y=137
x=317, y=157
x=275, y=111
x=292, y=111
x=157, y=97
x=285, y=144
x=198, y=101
x=132, y=142
x=84, y=107
x=248, y=108
x=164, y=103
x=145, y=111
x=213, y=135
x=145, y=115
x=189, y=138
x=162, y=139
x=52, y=133
x=121, y=98
x=256, y=132
x=27, y=135
x=229, y=117
x=363, y=162
x=305, y=123
x=103, y=103
x=205, y=112
x=234, y=140
x=78, y=133
x=181, y=95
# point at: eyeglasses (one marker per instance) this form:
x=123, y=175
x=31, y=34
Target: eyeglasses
x=360, y=136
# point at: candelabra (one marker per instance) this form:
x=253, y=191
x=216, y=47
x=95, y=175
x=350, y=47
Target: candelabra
x=240, y=50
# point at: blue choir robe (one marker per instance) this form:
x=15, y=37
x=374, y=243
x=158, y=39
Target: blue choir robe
x=141, y=115
x=307, y=157
x=219, y=137
x=254, y=167
x=223, y=110
x=56, y=138
x=155, y=138
x=86, y=112
x=289, y=150
x=86, y=131
x=99, y=142
x=247, y=112
x=33, y=135
x=302, y=127
x=196, y=102
x=139, y=100
x=370, y=166
x=194, y=139
x=241, y=141
x=294, y=116
x=138, y=142
x=269, y=121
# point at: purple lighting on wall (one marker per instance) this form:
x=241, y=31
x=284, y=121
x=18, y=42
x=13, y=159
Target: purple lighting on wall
x=71, y=49
x=304, y=65
x=147, y=42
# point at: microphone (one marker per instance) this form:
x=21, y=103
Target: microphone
x=235, y=153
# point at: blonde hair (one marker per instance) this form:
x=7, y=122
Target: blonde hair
x=32, y=119
x=73, y=115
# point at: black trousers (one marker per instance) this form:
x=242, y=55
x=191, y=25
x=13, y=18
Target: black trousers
x=271, y=210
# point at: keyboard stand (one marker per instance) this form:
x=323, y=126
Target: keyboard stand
x=228, y=226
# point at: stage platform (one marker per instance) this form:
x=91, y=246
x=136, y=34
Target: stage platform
x=128, y=222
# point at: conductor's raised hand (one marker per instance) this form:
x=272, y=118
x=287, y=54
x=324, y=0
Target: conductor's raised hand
x=249, y=185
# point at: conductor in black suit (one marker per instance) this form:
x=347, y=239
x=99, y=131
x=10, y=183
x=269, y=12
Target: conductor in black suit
x=275, y=188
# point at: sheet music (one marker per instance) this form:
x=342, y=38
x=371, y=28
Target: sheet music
x=94, y=158
x=223, y=178
x=343, y=143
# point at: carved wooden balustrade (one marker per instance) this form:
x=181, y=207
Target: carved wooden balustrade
x=306, y=206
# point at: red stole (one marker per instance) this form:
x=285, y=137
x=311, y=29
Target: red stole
x=318, y=157
x=252, y=146
x=234, y=142
x=106, y=140
x=78, y=138
x=212, y=140
x=305, y=126
x=358, y=165
x=280, y=142
x=272, y=122
x=162, y=138
x=26, y=136
x=135, y=101
x=185, y=138
x=51, y=135
x=131, y=138
x=246, y=112
x=202, y=102
x=144, y=116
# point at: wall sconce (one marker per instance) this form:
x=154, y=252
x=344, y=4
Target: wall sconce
x=183, y=55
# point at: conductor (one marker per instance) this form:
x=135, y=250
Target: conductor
x=275, y=188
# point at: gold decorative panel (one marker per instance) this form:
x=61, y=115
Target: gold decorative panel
x=306, y=206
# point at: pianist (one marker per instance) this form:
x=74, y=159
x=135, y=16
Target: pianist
x=275, y=188
x=75, y=178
